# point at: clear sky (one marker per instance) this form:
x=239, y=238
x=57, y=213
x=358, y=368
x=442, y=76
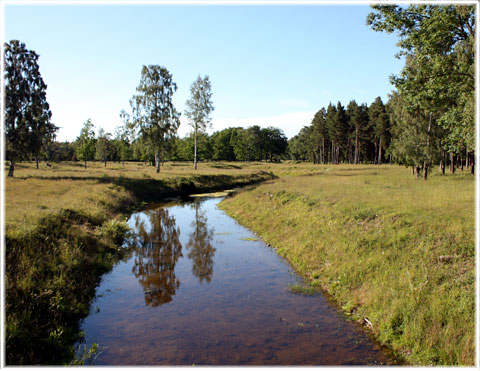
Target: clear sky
x=268, y=64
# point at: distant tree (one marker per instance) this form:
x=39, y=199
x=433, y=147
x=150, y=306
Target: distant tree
x=27, y=113
x=353, y=116
x=320, y=136
x=299, y=147
x=103, y=146
x=222, y=145
x=122, y=144
x=59, y=151
x=153, y=115
x=85, y=143
x=275, y=142
x=381, y=126
x=200, y=107
x=185, y=147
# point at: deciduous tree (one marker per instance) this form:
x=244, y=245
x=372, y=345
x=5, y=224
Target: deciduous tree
x=200, y=107
x=153, y=113
x=85, y=143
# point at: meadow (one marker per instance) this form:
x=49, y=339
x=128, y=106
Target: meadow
x=396, y=253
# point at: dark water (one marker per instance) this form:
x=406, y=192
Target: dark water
x=197, y=289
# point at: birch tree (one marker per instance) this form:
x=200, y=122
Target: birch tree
x=200, y=107
x=153, y=113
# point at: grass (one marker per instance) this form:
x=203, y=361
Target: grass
x=63, y=226
x=373, y=237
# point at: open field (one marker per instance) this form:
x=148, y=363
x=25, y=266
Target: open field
x=63, y=226
x=395, y=252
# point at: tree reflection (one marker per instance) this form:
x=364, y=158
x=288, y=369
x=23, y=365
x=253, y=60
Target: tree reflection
x=201, y=251
x=158, y=249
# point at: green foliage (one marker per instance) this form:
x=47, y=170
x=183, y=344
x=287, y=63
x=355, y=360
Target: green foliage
x=380, y=123
x=85, y=143
x=59, y=151
x=439, y=75
x=103, y=146
x=416, y=137
x=222, y=144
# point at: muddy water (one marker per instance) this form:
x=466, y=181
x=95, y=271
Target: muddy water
x=198, y=288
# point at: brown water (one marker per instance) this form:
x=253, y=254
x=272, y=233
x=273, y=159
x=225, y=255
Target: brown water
x=197, y=289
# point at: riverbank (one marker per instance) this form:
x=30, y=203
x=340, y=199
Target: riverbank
x=395, y=252
x=63, y=226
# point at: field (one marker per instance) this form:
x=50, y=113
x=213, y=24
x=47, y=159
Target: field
x=395, y=252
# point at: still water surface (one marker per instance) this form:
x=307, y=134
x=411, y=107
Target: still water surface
x=198, y=288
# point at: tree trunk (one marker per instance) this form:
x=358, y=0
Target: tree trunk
x=157, y=161
x=105, y=161
x=355, y=161
x=36, y=161
x=443, y=162
x=472, y=168
x=379, y=152
x=452, y=164
x=425, y=170
x=323, y=151
x=11, y=169
x=85, y=164
x=195, y=153
x=417, y=171
x=413, y=170
x=467, y=158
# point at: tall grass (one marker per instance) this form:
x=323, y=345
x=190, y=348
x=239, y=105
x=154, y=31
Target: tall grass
x=394, y=251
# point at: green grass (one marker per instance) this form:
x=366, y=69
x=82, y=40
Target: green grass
x=372, y=237
x=62, y=227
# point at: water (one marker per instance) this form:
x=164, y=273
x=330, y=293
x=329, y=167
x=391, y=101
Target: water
x=198, y=288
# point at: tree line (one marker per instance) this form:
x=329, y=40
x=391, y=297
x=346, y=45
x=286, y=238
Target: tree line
x=231, y=144
x=429, y=119
x=355, y=134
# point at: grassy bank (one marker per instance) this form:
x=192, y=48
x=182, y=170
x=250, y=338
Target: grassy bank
x=397, y=253
x=62, y=230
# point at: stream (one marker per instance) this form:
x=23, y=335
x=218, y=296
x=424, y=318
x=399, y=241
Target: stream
x=197, y=288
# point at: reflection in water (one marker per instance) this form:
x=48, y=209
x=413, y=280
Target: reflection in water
x=201, y=251
x=245, y=316
x=158, y=249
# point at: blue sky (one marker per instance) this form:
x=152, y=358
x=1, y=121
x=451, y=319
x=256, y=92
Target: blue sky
x=268, y=64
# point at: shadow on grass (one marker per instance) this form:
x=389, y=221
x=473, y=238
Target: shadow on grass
x=151, y=190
